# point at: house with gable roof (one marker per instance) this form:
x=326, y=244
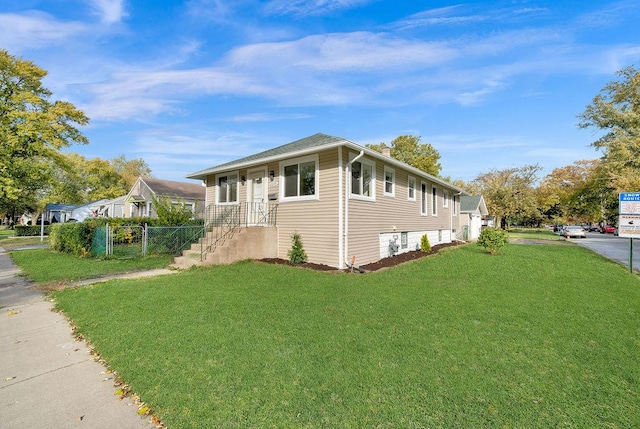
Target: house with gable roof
x=139, y=201
x=350, y=205
x=473, y=211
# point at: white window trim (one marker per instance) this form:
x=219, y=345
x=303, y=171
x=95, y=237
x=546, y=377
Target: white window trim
x=299, y=161
x=372, y=164
x=445, y=198
x=434, y=204
x=217, y=185
x=393, y=182
x=415, y=191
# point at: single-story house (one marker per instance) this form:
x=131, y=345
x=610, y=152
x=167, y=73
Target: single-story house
x=112, y=208
x=349, y=204
x=58, y=212
x=473, y=211
x=87, y=210
x=139, y=201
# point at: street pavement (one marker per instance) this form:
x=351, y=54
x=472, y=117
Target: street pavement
x=611, y=247
x=47, y=378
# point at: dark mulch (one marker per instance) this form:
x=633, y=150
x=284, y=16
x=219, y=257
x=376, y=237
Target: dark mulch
x=391, y=261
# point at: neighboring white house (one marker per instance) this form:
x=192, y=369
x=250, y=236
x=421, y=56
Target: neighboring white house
x=139, y=201
x=473, y=212
x=112, y=208
x=347, y=202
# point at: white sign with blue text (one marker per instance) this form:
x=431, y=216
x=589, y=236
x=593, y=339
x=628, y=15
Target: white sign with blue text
x=630, y=203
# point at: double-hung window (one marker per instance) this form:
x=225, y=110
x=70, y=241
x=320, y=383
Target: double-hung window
x=434, y=201
x=445, y=198
x=300, y=178
x=424, y=195
x=363, y=180
x=411, y=188
x=389, y=182
x=228, y=189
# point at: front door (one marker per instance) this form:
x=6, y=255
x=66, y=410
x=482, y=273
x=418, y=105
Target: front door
x=256, y=207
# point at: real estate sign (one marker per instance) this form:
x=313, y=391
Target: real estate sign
x=629, y=219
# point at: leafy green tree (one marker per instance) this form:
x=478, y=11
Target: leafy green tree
x=170, y=213
x=616, y=112
x=408, y=149
x=79, y=180
x=33, y=129
x=510, y=194
x=130, y=169
x=570, y=193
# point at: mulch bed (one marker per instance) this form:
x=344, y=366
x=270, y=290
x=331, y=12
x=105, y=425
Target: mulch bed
x=391, y=261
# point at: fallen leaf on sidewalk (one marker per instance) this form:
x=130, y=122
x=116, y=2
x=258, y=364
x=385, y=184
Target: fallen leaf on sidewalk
x=79, y=419
x=14, y=312
x=9, y=378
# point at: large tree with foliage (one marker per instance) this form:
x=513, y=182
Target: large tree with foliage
x=33, y=129
x=577, y=193
x=616, y=112
x=408, y=149
x=510, y=194
x=79, y=180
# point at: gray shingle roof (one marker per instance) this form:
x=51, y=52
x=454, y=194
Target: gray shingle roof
x=312, y=142
x=170, y=188
x=305, y=146
x=469, y=203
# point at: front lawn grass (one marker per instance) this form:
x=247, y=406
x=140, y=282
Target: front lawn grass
x=47, y=266
x=538, y=336
x=534, y=234
x=10, y=241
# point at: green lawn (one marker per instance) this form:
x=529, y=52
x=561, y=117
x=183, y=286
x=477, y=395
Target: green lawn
x=538, y=336
x=534, y=234
x=9, y=241
x=47, y=266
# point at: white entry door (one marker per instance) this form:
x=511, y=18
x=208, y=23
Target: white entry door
x=257, y=208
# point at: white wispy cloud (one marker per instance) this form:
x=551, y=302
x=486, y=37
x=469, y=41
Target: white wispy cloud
x=109, y=11
x=310, y=7
x=34, y=30
x=266, y=117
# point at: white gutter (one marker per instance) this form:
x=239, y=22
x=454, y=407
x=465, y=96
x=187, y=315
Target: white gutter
x=340, y=212
x=346, y=206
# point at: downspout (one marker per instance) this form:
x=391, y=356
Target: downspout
x=346, y=206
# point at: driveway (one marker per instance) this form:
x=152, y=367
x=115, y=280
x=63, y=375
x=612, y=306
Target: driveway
x=612, y=247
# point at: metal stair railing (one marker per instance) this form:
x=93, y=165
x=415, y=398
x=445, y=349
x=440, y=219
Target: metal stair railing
x=222, y=222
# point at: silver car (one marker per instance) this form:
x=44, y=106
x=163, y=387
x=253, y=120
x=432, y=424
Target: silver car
x=573, y=231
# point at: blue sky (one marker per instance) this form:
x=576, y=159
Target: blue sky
x=186, y=85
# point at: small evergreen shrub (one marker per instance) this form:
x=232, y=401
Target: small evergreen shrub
x=425, y=246
x=296, y=254
x=493, y=239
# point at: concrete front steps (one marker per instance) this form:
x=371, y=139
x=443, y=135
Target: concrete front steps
x=247, y=243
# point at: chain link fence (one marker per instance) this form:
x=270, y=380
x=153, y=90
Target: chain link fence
x=171, y=240
x=132, y=241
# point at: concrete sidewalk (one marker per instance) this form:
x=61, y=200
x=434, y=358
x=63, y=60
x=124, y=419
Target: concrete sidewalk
x=47, y=379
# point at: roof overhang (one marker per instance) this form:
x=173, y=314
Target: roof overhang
x=136, y=199
x=202, y=174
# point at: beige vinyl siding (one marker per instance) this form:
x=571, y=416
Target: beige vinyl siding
x=368, y=219
x=316, y=220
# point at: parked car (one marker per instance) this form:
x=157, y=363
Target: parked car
x=607, y=229
x=573, y=231
x=615, y=231
x=558, y=228
x=594, y=228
